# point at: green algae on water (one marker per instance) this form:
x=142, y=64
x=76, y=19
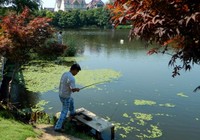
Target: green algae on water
x=143, y=116
x=162, y=114
x=154, y=132
x=139, y=123
x=144, y=102
x=123, y=136
x=181, y=94
x=151, y=103
x=167, y=105
x=71, y=59
x=46, y=77
x=43, y=78
x=125, y=115
x=95, y=76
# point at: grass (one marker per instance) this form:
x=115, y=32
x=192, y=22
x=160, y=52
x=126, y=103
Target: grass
x=10, y=129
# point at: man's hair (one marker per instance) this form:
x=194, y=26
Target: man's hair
x=75, y=67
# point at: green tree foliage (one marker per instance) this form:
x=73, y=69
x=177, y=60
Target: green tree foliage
x=98, y=17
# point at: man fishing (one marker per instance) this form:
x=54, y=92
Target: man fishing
x=66, y=88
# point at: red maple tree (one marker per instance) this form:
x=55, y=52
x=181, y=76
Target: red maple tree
x=173, y=24
x=20, y=35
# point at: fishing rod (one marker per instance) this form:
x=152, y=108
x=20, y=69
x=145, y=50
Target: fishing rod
x=95, y=84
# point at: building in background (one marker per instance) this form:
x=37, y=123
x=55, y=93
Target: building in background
x=95, y=4
x=66, y=5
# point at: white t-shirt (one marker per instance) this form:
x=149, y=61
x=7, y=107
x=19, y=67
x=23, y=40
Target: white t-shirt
x=67, y=82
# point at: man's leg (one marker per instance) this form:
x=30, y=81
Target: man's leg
x=63, y=115
x=71, y=108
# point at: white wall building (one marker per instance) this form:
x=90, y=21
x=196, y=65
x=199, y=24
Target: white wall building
x=65, y=5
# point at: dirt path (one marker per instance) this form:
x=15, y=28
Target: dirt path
x=48, y=133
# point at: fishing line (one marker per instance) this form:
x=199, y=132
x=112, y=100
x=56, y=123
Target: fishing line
x=116, y=108
x=114, y=111
x=95, y=84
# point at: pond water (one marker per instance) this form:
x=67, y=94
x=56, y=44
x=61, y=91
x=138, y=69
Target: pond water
x=146, y=101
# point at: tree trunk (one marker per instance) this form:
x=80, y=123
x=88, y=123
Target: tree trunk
x=7, y=72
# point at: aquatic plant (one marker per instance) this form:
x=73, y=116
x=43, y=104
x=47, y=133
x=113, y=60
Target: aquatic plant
x=144, y=102
x=151, y=103
x=71, y=59
x=138, y=123
x=181, y=94
x=141, y=123
x=98, y=75
x=154, y=132
x=46, y=76
x=143, y=116
x=167, y=105
x=125, y=115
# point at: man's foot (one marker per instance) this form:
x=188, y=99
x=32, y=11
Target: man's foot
x=75, y=113
x=72, y=119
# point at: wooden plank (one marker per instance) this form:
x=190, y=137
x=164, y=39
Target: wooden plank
x=92, y=120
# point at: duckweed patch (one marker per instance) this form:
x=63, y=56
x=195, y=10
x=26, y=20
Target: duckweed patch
x=143, y=116
x=98, y=75
x=125, y=115
x=71, y=59
x=144, y=102
x=167, y=105
x=153, y=132
x=181, y=94
x=151, y=103
x=44, y=77
x=162, y=114
x=138, y=124
x=123, y=136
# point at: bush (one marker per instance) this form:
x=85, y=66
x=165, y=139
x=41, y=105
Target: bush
x=72, y=48
x=51, y=49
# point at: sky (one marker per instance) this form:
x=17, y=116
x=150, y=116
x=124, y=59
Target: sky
x=51, y=3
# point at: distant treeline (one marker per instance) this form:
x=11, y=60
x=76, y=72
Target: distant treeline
x=98, y=17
